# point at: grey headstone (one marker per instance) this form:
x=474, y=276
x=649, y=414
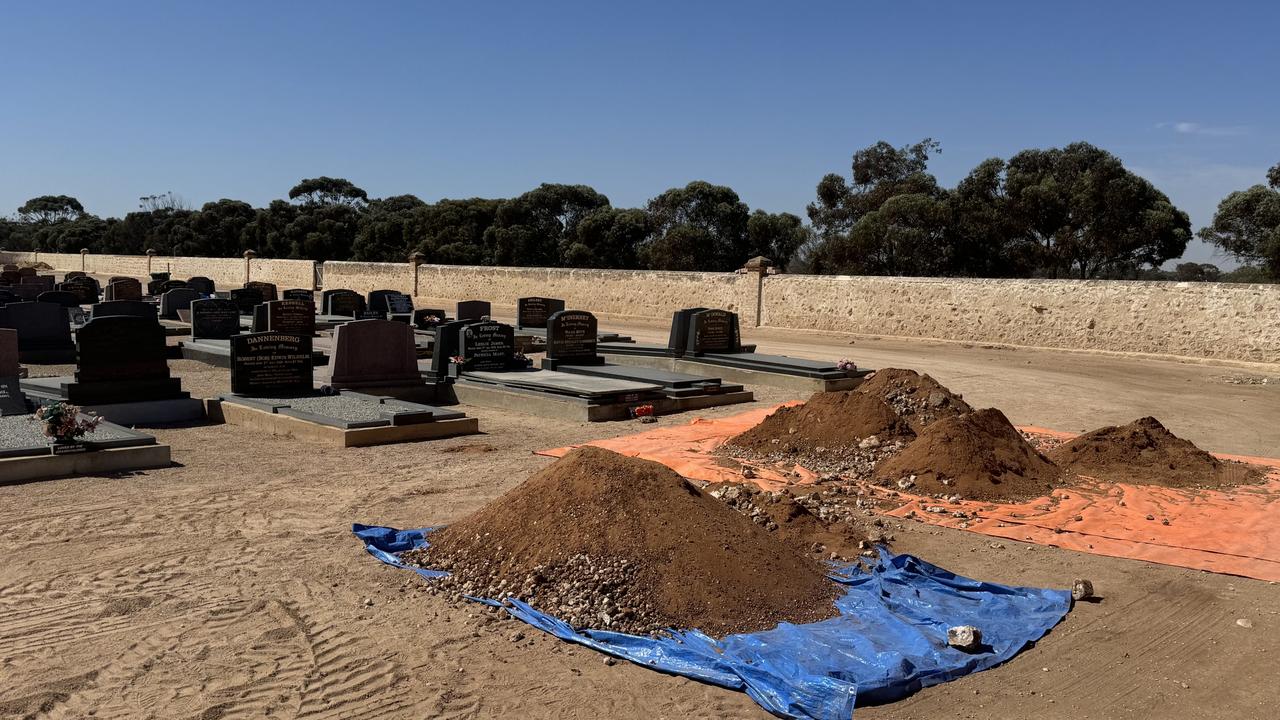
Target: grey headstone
x=373, y=352
x=533, y=312
x=177, y=299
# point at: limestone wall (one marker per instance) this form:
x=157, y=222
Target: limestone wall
x=1206, y=320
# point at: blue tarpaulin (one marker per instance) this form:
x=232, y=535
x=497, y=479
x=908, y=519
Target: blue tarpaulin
x=889, y=640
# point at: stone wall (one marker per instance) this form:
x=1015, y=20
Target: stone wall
x=1203, y=320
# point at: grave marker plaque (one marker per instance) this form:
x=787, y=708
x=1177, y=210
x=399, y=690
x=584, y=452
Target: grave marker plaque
x=267, y=289
x=571, y=338
x=299, y=294
x=202, y=285
x=246, y=299
x=123, y=289
x=714, y=331
x=176, y=299
x=272, y=364
x=533, y=312
x=214, y=319
x=488, y=345
x=473, y=310
x=292, y=317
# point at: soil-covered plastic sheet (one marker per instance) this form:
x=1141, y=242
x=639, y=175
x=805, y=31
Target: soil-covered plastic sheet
x=1232, y=530
x=888, y=641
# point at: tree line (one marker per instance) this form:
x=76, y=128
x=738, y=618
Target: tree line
x=1062, y=212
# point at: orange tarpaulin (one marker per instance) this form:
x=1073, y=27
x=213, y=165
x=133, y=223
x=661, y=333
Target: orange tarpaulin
x=1234, y=531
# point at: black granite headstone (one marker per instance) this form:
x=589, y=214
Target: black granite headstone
x=488, y=345
x=713, y=331
x=299, y=294
x=44, y=336
x=677, y=341
x=272, y=364
x=571, y=339
x=399, y=304
x=130, y=308
x=378, y=300
x=86, y=288
x=176, y=299
x=246, y=300
x=46, y=282
x=446, y=346
x=473, y=310
x=533, y=312
x=267, y=289
x=292, y=317
x=349, y=303
x=427, y=318
x=60, y=297
x=10, y=277
x=123, y=289
x=122, y=359
x=214, y=319
x=74, y=274
x=202, y=285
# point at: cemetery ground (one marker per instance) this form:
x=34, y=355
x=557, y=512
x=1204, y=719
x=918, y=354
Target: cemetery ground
x=230, y=585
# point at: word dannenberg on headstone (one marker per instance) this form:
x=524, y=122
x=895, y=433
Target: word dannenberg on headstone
x=272, y=364
x=214, y=319
x=571, y=339
x=533, y=312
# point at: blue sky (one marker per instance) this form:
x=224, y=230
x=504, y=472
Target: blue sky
x=111, y=101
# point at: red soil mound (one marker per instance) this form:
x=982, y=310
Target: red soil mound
x=1144, y=452
x=978, y=456
x=918, y=399
x=608, y=541
x=827, y=420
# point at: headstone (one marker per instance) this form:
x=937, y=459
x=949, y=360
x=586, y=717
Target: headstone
x=129, y=308
x=118, y=278
x=8, y=296
x=9, y=267
x=678, y=339
x=60, y=297
x=202, y=285
x=29, y=271
x=370, y=353
x=161, y=276
x=160, y=287
x=348, y=303
x=84, y=287
x=214, y=319
x=427, y=318
x=27, y=292
x=123, y=289
x=10, y=277
x=292, y=317
x=45, y=282
x=12, y=399
x=122, y=359
x=713, y=331
x=271, y=364
x=176, y=299
x=571, y=339
x=299, y=294
x=473, y=310
x=447, y=345
x=533, y=312
x=488, y=345
x=43, y=333
x=389, y=302
x=74, y=274
x=326, y=294
x=246, y=300
x=267, y=289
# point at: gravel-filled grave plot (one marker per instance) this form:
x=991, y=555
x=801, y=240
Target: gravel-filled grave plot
x=23, y=435
x=349, y=410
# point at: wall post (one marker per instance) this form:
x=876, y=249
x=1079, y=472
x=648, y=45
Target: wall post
x=249, y=255
x=84, y=253
x=758, y=266
x=150, y=254
x=415, y=259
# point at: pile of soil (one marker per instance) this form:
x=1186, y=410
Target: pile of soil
x=829, y=420
x=918, y=399
x=1145, y=452
x=606, y=541
x=835, y=536
x=978, y=456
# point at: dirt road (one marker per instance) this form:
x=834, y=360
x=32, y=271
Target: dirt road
x=230, y=587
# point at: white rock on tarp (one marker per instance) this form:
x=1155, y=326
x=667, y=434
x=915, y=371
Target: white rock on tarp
x=1081, y=590
x=964, y=637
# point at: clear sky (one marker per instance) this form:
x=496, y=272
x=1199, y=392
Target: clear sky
x=111, y=101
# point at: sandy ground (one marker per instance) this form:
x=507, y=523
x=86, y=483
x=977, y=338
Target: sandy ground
x=229, y=585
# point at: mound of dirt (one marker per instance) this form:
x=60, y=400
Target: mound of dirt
x=829, y=420
x=606, y=541
x=918, y=399
x=838, y=537
x=1145, y=452
x=978, y=456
